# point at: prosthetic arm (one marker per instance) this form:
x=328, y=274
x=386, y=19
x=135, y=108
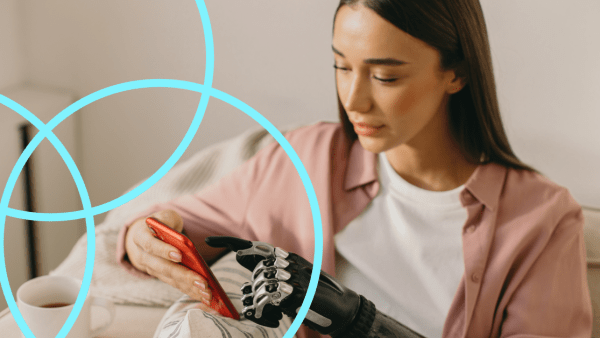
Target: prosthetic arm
x=279, y=284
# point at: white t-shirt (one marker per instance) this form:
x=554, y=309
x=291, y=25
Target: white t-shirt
x=404, y=252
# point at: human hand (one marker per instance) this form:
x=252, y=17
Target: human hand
x=161, y=260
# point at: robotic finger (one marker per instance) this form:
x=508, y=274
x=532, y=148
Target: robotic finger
x=279, y=285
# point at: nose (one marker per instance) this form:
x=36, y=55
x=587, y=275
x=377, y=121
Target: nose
x=358, y=98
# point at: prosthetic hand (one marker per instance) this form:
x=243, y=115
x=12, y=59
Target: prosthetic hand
x=279, y=284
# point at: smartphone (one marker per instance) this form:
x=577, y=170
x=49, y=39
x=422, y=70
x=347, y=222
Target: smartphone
x=191, y=259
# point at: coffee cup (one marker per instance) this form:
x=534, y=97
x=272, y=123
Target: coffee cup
x=46, y=302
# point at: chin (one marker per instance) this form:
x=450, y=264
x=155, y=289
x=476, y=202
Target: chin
x=372, y=144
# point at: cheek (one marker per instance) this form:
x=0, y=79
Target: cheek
x=400, y=102
x=414, y=98
x=342, y=87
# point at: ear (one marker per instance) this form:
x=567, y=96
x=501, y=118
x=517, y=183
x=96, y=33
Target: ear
x=459, y=78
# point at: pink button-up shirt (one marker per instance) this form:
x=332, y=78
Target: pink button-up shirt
x=523, y=246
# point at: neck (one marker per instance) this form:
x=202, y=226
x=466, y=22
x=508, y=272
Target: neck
x=433, y=162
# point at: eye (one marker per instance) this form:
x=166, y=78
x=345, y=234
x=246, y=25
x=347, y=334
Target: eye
x=385, y=80
x=342, y=69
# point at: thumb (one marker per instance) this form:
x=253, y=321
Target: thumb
x=170, y=218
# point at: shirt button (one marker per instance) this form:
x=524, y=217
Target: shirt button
x=476, y=277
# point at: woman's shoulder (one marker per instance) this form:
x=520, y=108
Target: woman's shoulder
x=315, y=145
x=532, y=192
x=534, y=185
x=318, y=139
x=315, y=133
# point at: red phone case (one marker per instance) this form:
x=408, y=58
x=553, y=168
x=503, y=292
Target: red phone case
x=192, y=260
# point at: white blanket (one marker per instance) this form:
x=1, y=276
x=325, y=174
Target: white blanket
x=109, y=279
x=185, y=319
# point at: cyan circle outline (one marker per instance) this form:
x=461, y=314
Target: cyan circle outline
x=90, y=256
x=45, y=132
x=178, y=84
x=89, y=225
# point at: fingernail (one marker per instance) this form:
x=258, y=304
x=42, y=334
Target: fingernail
x=200, y=285
x=206, y=302
x=175, y=256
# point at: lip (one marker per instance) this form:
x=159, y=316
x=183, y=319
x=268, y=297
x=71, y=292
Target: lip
x=366, y=129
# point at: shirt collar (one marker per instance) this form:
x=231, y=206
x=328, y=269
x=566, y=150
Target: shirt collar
x=485, y=184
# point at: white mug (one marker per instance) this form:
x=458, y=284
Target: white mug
x=46, y=302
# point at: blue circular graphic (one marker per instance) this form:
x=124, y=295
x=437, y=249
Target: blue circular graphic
x=88, y=212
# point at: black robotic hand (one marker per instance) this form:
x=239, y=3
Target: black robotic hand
x=279, y=284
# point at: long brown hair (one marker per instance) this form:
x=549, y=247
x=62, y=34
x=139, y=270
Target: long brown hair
x=456, y=29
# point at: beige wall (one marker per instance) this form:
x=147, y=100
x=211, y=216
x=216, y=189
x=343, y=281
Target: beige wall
x=54, y=188
x=11, y=46
x=11, y=75
x=275, y=56
x=548, y=79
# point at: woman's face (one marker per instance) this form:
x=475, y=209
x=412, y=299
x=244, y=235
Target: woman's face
x=389, y=82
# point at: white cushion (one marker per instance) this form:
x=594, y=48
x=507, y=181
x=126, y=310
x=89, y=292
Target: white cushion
x=184, y=319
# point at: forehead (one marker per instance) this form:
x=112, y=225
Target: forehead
x=360, y=31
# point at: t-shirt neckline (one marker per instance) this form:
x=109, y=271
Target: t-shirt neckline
x=400, y=187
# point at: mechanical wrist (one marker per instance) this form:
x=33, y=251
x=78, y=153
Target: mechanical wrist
x=362, y=323
x=279, y=285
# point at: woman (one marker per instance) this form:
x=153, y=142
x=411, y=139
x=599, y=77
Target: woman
x=426, y=210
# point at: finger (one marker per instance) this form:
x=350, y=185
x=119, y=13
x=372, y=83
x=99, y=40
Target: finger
x=186, y=281
x=249, y=253
x=271, y=315
x=232, y=243
x=169, y=218
x=144, y=238
x=138, y=237
x=180, y=277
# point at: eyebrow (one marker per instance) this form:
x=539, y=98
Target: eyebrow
x=374, y=61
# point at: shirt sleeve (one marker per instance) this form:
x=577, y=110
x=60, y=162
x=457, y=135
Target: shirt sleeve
x=219, y=209
x=553, y=299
